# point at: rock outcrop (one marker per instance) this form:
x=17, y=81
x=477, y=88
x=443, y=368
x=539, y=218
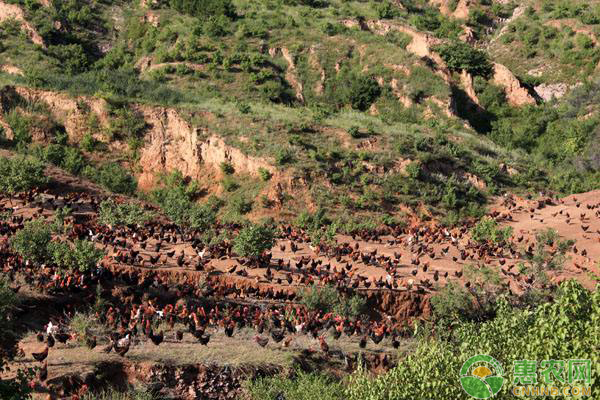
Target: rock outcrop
x=171, y=143
x=549, y=91
x=13, y=11
x=516, y=94
x=290, y=74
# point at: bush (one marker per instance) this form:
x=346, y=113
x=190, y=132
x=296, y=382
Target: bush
x=487, y=229
x=72, y=57
x=32, y=242
x=240, y=204
x=113, y=177
x=227, y=168
x=20, y=125
x=254, y=240
x=303, y=386
x=230, y=185
x=461, y=56
x=112, y=213
x=265, y=174
x=328, y=299
x=358, y=90
x=8, y=300
x=204, y=8
x=19, y=174
x=82, y=255
x=68, y=158
x=532, y=336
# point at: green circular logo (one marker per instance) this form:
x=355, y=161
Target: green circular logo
x=481, y=376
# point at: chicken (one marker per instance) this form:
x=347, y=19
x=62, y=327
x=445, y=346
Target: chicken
x=156, y=339
x=262, y=342
x=324, y=345
x=277, y=336
x=40, y=356
x=90, y=342
x=42, y=373
x=204, y=339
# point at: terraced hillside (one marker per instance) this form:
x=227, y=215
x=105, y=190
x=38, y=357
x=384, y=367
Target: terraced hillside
x=284, y=198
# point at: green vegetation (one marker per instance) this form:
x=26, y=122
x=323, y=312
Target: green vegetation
x=176, y=200
x=20, y=173
x=113, y=177
x=82, y=255
x=460, y=56
x=531, y=334
x=113, y=213
x=253, y=240
x=302, y=386
x=328, y=299
x=33, y=241
x=488, y=229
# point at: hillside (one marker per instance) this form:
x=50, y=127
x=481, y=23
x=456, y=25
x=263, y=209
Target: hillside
x=420, y=158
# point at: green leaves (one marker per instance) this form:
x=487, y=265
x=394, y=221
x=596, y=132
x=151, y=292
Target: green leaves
x=565, y=329
x=461, y=56
x=112, y=213
x=32, y=241
x=253, y=240
x=82, y=255
x=487, y=229
x=21, y=173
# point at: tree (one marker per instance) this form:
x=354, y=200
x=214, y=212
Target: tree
x=19, y=174
x=461, y=56
x=33, y=240
x=253, y=240
x=112, y=213
x=204, y=8
x=82, y=255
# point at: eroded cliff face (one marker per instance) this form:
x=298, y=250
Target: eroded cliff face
x=13, y=11
x=170, y=142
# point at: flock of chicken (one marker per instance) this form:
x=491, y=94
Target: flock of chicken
x=238, y=294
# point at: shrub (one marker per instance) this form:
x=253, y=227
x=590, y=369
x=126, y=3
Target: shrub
x=8, y=300
x=227, y=168
x=20, y=125
x=241, y=205
x=386, y=10
x=19, y=174
x=532, y=336
x=253, y=240
x=204, y=8
x=32, y=241
x=112, y=213
x=358, y=90
x=88, y=143
x=284, y=156
x=82, y=255
x=265, y=174
x=230, y=185
x=201, y=217
x=72, y=57
x=487, y=229
x=303, y=386
x=328, y=299
x=113, y=177
x=461, y=56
